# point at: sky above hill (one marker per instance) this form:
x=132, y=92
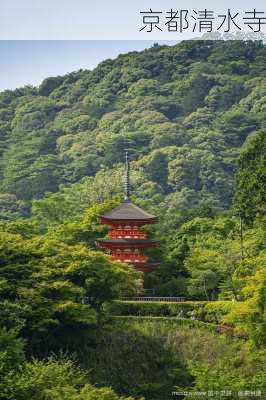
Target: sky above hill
x=29, y=62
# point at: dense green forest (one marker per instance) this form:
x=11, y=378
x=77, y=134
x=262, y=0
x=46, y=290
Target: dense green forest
x=192, y=117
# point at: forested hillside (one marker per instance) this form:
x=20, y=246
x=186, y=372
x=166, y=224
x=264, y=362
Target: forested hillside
x=183, y=111
x=193, y=119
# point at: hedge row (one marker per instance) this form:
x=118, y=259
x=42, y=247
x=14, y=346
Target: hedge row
x=172, y=321
x=205, y=311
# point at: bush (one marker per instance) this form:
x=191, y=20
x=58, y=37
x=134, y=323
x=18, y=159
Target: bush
x=170, y=322
x=216, y=310
x=135, y=362
x=201, y=310
x=52, y=380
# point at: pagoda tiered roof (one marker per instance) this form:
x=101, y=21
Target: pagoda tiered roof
x=127, y=211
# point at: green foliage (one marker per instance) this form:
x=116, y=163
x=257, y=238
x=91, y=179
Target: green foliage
x=147, y=308
x=11, y=208
x=250, y=179
x=214, y=362
x=169, y=321
x=11, y=352
x=142, y=364
x=52, y=380
x=249, y=317
x=50, y=84
x=212, y=312
x=57, y=288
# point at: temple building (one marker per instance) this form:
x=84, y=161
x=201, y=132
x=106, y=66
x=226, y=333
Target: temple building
x=126, y=239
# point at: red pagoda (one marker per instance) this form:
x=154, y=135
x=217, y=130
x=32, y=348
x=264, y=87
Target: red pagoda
x=126, y=239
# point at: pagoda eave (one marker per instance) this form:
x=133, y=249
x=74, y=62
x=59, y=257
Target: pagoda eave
x=137, y=222
x=126, y=243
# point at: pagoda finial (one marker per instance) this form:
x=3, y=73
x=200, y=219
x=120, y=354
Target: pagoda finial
x=127, y=179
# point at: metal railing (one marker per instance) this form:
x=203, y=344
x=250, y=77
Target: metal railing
x=153, y=298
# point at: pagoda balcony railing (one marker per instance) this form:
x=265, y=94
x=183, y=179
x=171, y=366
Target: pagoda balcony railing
x=122, y=234
x=130, y=258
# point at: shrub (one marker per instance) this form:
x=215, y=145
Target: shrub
x=202, y=310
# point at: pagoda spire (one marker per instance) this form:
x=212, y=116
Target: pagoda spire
x=127, y=179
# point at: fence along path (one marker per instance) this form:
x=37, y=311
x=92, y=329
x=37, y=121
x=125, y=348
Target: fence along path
x=154, y=298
